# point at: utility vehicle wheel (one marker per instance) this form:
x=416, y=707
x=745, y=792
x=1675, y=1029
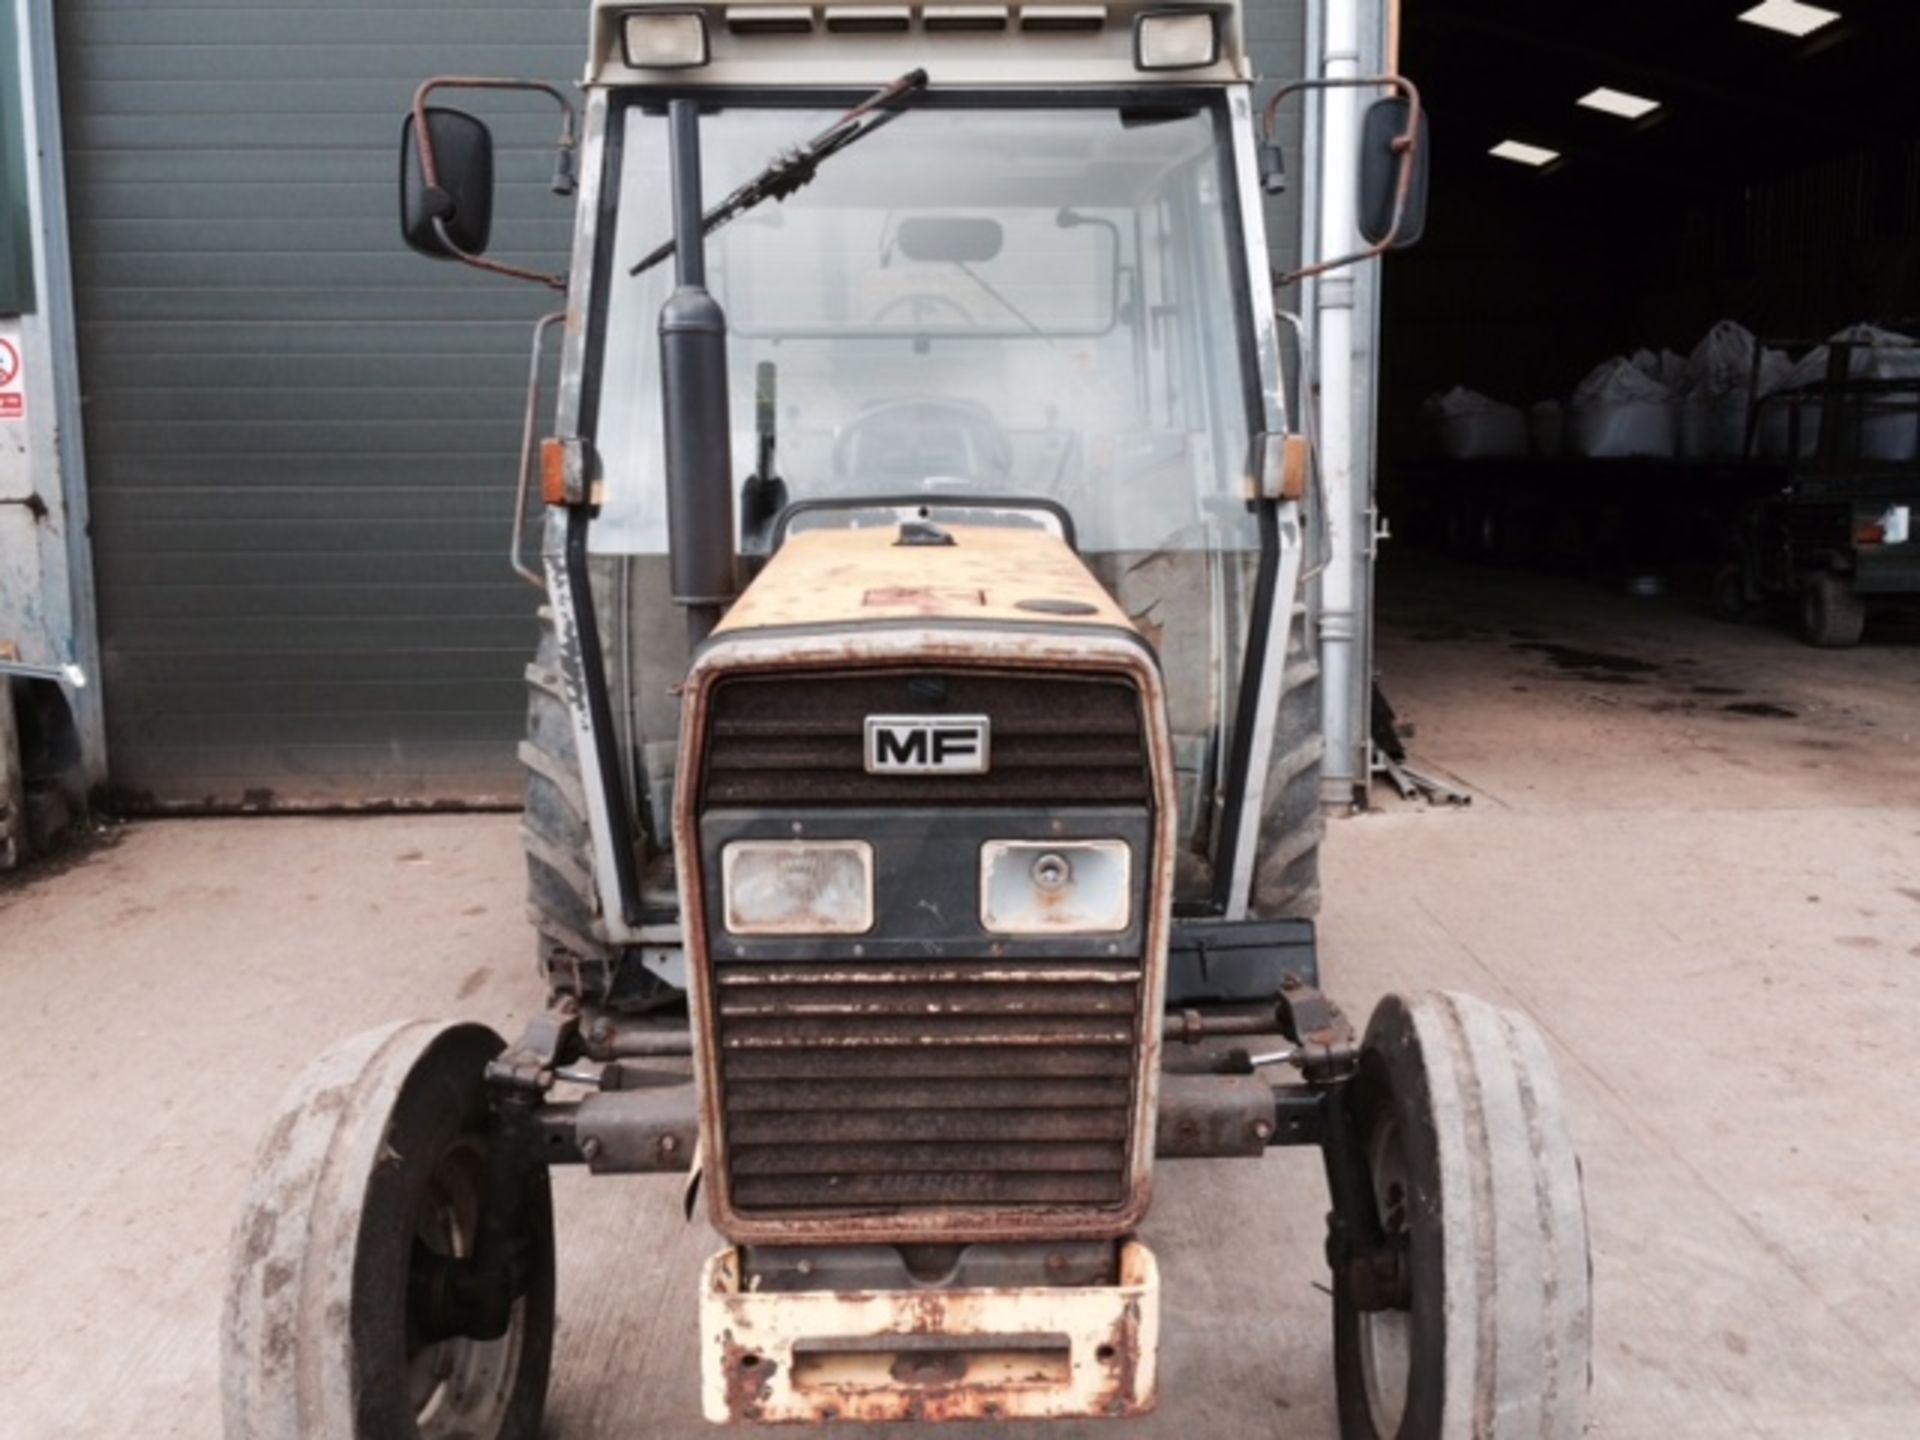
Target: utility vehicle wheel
x=1831, y=615
x=1729, y=596
x=1457, y=1112
x=374, y=1174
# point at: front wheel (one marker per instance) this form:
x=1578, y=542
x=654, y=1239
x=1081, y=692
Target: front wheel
x=1457, y=1117
x=349, y=1313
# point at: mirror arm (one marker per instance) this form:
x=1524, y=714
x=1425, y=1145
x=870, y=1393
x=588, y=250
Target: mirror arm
x=1404, y=145
x=530, y=419
x=563, y=173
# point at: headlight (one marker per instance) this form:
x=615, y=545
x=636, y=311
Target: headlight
x=798, y=887
x=1055, y=887
x=664, y=39
x=1176, y=40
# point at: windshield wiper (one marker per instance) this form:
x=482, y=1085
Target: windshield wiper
x=791, y=169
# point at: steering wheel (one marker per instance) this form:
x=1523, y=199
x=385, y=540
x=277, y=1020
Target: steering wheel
x=927, y=444
x=922, y=301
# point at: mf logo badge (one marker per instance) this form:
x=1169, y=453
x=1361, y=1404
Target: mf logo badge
x=927, y=744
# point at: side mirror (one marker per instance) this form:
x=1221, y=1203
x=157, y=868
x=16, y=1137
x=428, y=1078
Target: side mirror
x=1393, y=177
x=460, y=194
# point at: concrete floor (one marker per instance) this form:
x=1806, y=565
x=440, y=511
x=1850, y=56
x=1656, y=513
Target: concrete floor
x=1715, y=916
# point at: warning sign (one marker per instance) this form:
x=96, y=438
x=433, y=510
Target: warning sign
x=13, y=399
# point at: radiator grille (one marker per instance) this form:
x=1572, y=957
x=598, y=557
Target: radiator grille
x=977, y=1082
x=800, y=740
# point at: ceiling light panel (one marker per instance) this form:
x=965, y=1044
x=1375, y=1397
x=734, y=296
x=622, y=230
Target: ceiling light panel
x=1522, y=153
x=1790, y=17
x=1619, y=102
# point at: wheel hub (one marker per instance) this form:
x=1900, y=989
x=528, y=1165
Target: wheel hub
x=1386, y=1331
x=458, y=1385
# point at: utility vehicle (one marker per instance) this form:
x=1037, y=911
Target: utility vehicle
x=1835, y=533
x=922, y=820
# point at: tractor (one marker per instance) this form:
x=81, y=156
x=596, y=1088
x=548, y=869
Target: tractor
x=923, y=820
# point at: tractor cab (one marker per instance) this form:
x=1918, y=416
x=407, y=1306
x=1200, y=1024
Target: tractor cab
x=1019, y=309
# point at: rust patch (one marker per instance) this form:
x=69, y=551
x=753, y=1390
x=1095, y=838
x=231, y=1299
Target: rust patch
x=1122, y=1359
x=923, y=599
x=749, y=1374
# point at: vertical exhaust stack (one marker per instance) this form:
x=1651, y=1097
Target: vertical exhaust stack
x=693, y=387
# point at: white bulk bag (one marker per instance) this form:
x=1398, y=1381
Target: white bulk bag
x=1474, y=427
x=1620, y=411
x=1889, y=428
x=1888, y=431
x=1717, y=386
x=1776, y=416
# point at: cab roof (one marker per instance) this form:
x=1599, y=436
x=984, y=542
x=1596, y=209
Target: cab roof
x=858, y=43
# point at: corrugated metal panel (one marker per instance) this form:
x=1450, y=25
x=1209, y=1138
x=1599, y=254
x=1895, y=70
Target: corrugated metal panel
x=300, y=436
x=1277, y=46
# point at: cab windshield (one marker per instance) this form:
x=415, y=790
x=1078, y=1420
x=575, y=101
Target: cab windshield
x=980, y=302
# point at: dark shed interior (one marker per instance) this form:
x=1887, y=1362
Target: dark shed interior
x=1776, y=184
x=1612, y=180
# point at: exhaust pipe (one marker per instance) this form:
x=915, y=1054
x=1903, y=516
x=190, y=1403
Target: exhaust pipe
x=693, y=389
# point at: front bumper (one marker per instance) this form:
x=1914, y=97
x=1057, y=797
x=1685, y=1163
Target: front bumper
x=1010, y=1354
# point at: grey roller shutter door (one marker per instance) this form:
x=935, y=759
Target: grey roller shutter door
x=301, y=437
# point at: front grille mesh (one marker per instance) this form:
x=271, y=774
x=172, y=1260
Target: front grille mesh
x=800, y=740
x=963, y=1080
x=977, y=1082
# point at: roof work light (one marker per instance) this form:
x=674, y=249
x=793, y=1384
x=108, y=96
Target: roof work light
x=664, y=39
x=1176, y=40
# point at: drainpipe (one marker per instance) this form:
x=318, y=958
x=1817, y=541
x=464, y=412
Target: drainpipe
x=1334, y=299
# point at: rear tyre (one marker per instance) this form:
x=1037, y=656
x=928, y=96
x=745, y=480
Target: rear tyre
x=572, y=952
x=563, y=901
x=375, y=1171
x=1831, y=615
x=1457, y=1112
x=1286, y=876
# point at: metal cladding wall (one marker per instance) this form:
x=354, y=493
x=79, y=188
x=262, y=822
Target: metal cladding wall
x=300, y=436
x=1277, y=45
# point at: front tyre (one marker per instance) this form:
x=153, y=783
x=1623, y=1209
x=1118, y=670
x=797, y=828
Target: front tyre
x=373, y=1177
x=1456, y=1111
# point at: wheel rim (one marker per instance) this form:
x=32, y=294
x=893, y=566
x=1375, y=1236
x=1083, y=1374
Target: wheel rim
x=459, y=1388
x=1386, y=1336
